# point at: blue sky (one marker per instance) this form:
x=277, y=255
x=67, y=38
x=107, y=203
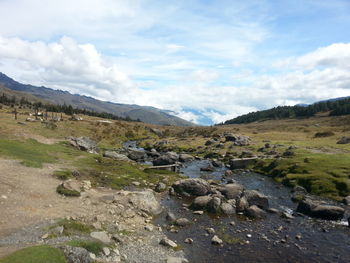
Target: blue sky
x=206, y=61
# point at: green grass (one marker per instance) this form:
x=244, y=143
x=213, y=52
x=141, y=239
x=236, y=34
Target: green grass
x=73, y=227
x=91, y=246
x=118, y=174
x=322, y=174
x=37, y=254
x=62, y=174
x=34, y=154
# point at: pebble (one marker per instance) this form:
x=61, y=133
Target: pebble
x=216, y=240
x=106, y=251
x=232, y=223
x=168, y=243
x=92, y=256
x=249, y=235
x=4, y=197
x=198, y=212
x=188, y=240
x=210, y=230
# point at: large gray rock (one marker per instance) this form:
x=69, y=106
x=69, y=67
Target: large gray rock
x=201, y=202
x=214, y=205
x=314, y=209
x=241, y=163
x=84, y=144
x=255, y=212
x=238, y=140
x=242, y=204
x=116, y=156
x=101, y=236
x=166, y=159
x=231, y=191
x=192, y=187
x=256, y=198
x=76, y=254
x=227, y=209
x=184, y=157
x=137, y=155
x=344, y=140
x=145, y=200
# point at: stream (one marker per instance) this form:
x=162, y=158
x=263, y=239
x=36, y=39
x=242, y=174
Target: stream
x=274, y=239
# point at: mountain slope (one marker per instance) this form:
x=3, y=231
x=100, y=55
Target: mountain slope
x=146, y=114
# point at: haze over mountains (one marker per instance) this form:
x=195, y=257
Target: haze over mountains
x=145, y=114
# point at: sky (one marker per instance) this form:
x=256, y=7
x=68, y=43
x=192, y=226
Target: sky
x=206, y=61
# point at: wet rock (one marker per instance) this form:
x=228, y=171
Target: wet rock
x=210, y=230
x=188, y=241
x=214, y=205
x=273, y=211
x=256, y=198
x=228, y=173
x=216, y=163
x=216, y=240
x=168, y=243
x=227, y=209
x=166, y=159
x=192, y=186
x=346, y=200
x=185, y=157
x=344, y=140
x=182, y=222
x=255, y=212
x=116, y=156
x=241, y=163
x=242, y=204
x=76, y=254
x=170, y=217
x=101, y=236
x=201, y=202
x=84, y=144
x=208, y=168
x=231, y=191
x=314, y=209
x=136, y=155
x=286, y=215
x=160, y=187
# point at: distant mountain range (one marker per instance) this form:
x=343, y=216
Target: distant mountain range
x=145, y=114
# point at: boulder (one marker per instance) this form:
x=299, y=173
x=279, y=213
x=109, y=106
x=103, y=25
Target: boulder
x=256, y=198
x=238, y=140
x=84, y=144
x=192, y=187
x=136, y=155
x=185, y=158
x=208, y=168
x=166, y=159
x=76, y=254
x=144, y=200
x=242, y=204
x=344, y=140
x=156, y=131
x=317, y=210
x=214, y=205
x=201, y=202
x=227, y=209
x=116, y=156
x=160, y=187
x=231, y=191
x=255, y=212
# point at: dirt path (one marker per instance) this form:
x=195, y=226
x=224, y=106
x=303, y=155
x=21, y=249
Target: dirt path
x=28, y=196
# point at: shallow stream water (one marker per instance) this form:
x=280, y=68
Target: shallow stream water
x=273, y=239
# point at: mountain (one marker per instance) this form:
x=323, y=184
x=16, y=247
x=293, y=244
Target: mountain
x=145, y=114
x=331, y=107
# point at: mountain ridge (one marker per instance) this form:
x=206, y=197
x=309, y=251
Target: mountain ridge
x=146, y=114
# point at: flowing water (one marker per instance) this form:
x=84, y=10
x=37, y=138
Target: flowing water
x=273, y=239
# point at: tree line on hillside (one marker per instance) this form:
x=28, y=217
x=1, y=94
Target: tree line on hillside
x=334, y=107
x=13, y=101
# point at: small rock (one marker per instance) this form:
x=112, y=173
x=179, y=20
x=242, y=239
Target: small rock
x=216, y=240
x=4, y=197
x=173, y=260
x=210, y=230
x=168, y=243
x=232, y=223
x=198, y=212
x=298, y=236
x=160, y=187
x=92, y=256
x=170, y=217
x=182, y=222
x=149, y=228
x=102, y=236
x=45, y=236
x=188, y=240
x=106, y=251
x=249, y=235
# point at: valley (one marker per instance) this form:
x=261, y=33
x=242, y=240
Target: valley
x=74, y=186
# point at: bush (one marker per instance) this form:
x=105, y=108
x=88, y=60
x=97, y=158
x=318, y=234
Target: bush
x=66, y=192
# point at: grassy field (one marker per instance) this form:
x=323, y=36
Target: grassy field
x=37, y=254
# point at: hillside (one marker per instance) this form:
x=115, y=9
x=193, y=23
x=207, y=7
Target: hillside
x=145, y=114
x=332, y=107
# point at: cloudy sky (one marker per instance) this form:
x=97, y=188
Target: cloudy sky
x=205, y=60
